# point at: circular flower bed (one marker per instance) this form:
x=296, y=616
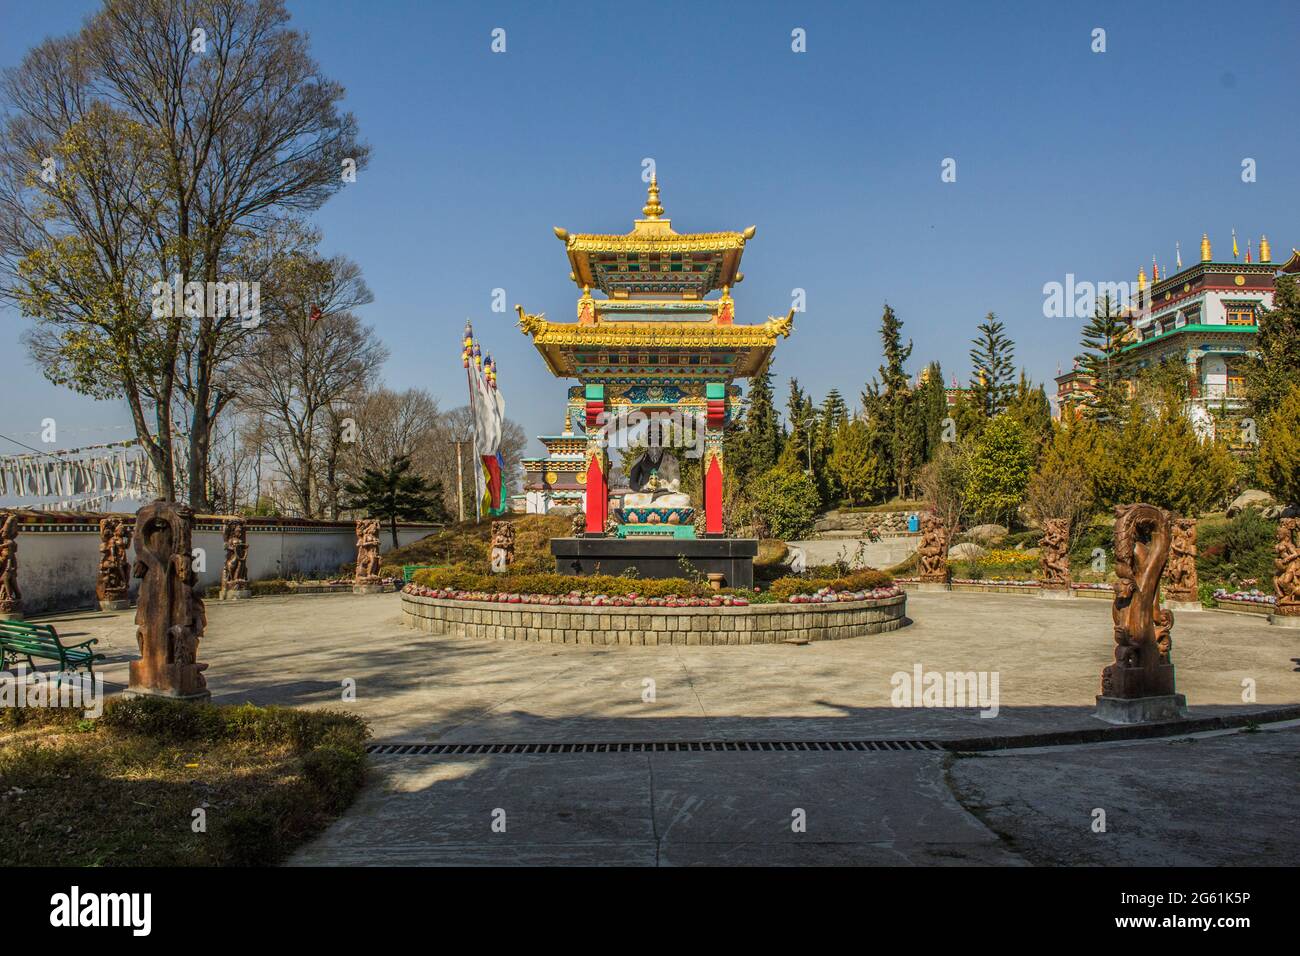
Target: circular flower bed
x=1252, y=596
x=589, y=599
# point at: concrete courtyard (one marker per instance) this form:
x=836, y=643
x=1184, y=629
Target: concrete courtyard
x=1209, y=798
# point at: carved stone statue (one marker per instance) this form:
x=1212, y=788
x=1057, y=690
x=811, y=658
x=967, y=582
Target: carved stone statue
x=1286, y=576
x=234, y=573
x=579, y=524
x=1054, y=555
x=1142, y=667
x=366, y=577
x=503, y=545
x=933, y=552
x=112, y=583
x=1180, y=573
x=170, y=617
x=11, y=599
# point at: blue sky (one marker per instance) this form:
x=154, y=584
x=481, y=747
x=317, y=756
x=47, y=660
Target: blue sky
x=1067, y=161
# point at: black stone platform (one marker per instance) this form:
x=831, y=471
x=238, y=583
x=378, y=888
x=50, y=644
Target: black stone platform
x=658, y=557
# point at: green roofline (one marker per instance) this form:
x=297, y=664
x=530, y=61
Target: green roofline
x=1196, y=327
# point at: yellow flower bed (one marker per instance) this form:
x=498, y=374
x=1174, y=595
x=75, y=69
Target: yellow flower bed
x=1009, y=556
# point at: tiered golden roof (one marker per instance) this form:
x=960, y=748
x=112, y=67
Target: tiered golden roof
x=655, y=324
x=653, y=260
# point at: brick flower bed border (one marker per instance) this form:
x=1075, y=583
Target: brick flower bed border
x=1248, y=607
x=1221, y=604
x=562, y=624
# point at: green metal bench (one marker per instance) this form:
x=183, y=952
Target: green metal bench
x=408, y=570
x=22, y=639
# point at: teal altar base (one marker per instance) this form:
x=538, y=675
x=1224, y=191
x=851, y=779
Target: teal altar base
x=675, y=531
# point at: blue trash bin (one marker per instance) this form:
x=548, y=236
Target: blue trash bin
x=913, y=523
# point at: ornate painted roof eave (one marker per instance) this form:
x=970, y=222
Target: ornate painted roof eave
x=656, y=334
x=1200, y=268
x=1200, y=329
x=1292, y=265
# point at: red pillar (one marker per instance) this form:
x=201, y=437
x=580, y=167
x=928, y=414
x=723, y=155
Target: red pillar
x=597, y=494
x=713, y=495
x=715, y=420
x=597, y=502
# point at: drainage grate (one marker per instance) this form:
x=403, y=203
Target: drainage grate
x=640, y=747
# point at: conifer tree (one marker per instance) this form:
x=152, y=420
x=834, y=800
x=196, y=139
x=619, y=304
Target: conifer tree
x=857, y=468
x=1271, y=376
x=1030, y=407
x=754, y=447
x=833, y=414
x=931, y=408
x=1102, y=338
x=1157, y=457
x=802, y=417
x=395, y=494
x=992, y=357
x=1278, y=465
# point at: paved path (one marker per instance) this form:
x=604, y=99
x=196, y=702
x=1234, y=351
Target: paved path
x=413, y=686
x=1207, y=801
x=1166, y=802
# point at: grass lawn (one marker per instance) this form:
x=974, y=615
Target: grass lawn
x=469, y=545
x=122, y=790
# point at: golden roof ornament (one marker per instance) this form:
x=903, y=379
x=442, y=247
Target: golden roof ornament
x=653, y=209
x=1205, y=247
x=1265, y=254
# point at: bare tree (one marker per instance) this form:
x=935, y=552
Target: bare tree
x=392, y=425
x=315, y=355
x=943, y=483
x=184, y=129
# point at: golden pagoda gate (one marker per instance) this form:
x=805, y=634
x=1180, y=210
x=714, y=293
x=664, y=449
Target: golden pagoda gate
x=656, y=344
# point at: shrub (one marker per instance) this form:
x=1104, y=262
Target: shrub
x=271, y=586
x=556, y=584
x=562, y=584
x=1240, y=548
x=787, y=501
x=999, y=470
x=864, y=580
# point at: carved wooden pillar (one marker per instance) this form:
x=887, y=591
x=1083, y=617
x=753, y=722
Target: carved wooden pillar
x=1181, y=586
x=1054, y=556
x=1139, y=686
x=715, y=420
x=365, y=578
x=170, y=617
x=1286, y=574
x=234, y=572
x=596, y=464
x=11, y=598
x=932, y=559
x=112, y=582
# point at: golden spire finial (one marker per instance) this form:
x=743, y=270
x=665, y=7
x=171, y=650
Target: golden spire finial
x=1142, y=279
x=653, y=209
x=1205, y=247
x=1265, y=254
